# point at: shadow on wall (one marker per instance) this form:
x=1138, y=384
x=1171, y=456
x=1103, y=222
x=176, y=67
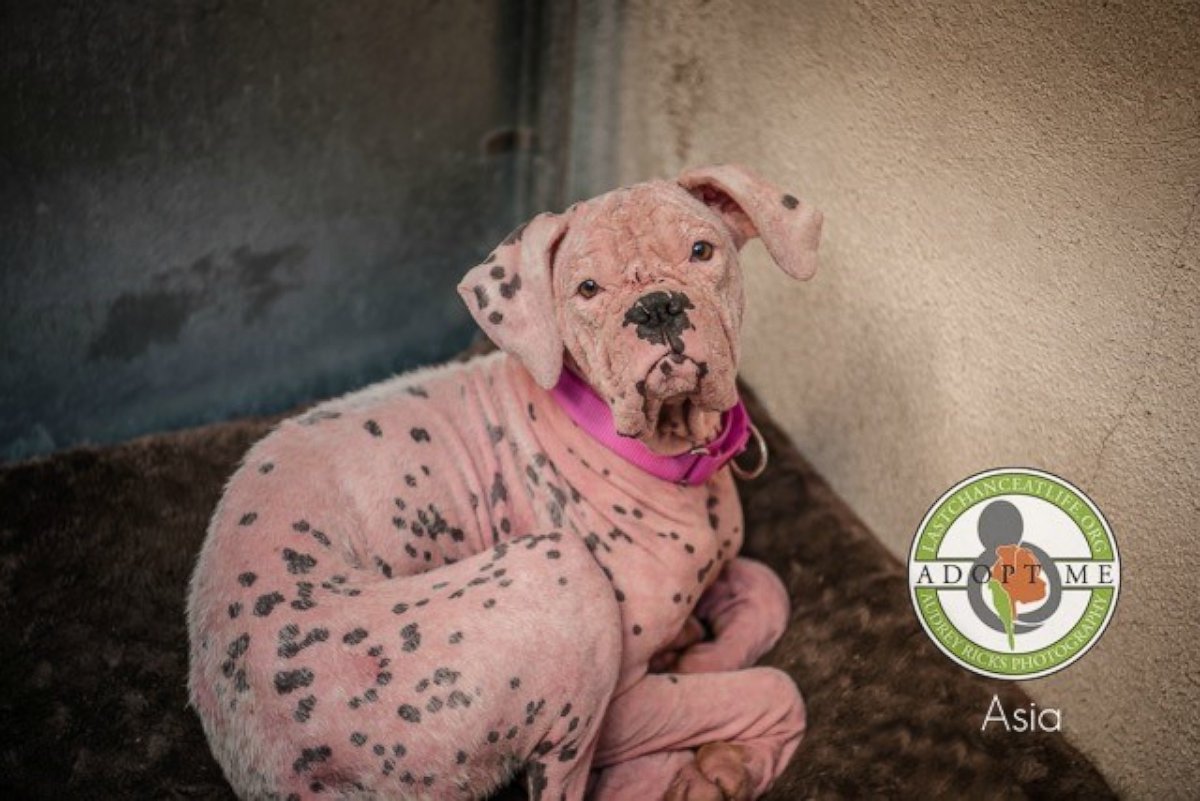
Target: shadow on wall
x=219, y=208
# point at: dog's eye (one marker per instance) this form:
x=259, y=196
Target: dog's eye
x=702, y=251
x=589, y=288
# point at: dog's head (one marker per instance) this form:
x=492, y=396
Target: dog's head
x=642, y=290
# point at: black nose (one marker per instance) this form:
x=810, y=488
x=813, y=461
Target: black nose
x=661, y=317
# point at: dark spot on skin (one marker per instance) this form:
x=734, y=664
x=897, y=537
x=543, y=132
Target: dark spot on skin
x=288, y=680
x=689, y=547
x=677, y=598
x=532, y=413
x=358, y=738
x=238, y=646
x=354, y=637
x=399, y=609
x=378, y=749
x=301, y=526
x=535, y=777
x=398, y=750
x=410, y=479
x=411, y=635
x=789, y=202
x=496, y=272
x=495, y=318
x=511, y=288
x=416, y=392
x=266, y=603
x=304, y=589
x=489, y=603
x=637, y=630
x=298, y=563
x=266, y=467
x=373, y=428
x=481, y=298
x=511, y=733
x=304, y=709
x=419, y=435
x=248, y=518
x=460, y=758
x=499, y=490
x=235, y=609
x=444, y=676
x=713, y=521
x=434, y=705
x=455, y=638
x=410, y=713
x=289, y=647
x=703, y=572
x=311, y=756
x=493, y=736
x=552, y=554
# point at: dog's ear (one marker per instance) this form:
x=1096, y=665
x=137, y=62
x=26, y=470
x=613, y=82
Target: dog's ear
x=510, y=295
x=750, y=207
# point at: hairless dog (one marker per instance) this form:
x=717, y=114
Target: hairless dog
x=422, y=588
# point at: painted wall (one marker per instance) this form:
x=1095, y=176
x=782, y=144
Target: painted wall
x=1010, y=277
x=220, y=207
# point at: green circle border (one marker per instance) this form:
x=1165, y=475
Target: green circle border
x=1106, y=554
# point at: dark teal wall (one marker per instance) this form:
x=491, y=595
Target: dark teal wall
x=220, y=207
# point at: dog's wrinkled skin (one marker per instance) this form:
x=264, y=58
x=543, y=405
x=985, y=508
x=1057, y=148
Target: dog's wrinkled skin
x=418, y=589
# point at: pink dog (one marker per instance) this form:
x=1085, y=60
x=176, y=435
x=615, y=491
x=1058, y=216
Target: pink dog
x=421, y=588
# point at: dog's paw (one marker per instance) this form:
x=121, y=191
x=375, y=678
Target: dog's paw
x=717, y=774
x=692, y=785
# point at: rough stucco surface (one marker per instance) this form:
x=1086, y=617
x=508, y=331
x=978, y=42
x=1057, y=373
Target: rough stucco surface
x=1009, y=277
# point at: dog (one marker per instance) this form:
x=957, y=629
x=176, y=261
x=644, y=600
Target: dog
x=471, y=570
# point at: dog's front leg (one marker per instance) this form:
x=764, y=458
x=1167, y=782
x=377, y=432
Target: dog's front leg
x=747, y=608
x=746, y=725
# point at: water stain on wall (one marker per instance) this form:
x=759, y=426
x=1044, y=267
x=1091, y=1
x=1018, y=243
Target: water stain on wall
x=158, y=314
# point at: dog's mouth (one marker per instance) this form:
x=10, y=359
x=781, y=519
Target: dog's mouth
x=678, y=412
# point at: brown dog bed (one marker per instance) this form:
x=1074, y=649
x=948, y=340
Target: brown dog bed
x=96, y=546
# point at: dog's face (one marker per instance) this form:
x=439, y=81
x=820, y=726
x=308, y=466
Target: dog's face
x=648, y=296
x=641, y=289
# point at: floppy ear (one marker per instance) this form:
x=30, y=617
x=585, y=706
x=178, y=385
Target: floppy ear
x=511, y=298
x=789, y=227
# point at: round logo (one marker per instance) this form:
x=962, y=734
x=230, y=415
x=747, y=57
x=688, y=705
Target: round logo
x=1014, y=573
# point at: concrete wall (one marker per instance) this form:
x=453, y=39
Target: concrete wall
x=1010, y=277
x=227, y=206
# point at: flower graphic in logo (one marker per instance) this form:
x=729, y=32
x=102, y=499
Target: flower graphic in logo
x=1015, y=578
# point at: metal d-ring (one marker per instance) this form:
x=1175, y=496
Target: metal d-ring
x=764, y=454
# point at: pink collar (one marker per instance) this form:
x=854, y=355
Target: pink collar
x=591, y=413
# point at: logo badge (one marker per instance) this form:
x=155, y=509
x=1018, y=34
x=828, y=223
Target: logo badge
x=1014, y=573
